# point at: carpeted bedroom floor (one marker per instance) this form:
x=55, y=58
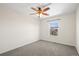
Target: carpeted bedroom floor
x=43, y=48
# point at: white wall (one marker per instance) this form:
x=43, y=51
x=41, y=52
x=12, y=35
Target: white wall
x=66, y=34
x=77, y=29
x=16, y=30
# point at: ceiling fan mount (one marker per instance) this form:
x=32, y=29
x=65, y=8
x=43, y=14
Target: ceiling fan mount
x=41, y=10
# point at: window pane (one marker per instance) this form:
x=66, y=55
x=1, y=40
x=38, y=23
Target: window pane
x=54, y=24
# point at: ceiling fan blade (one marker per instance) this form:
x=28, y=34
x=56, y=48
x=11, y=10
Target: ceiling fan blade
x=34, y=8
x=45, y=9
x=45, y=14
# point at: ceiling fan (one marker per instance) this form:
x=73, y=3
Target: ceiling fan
x=41, y=9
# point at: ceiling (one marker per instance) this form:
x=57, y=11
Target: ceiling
x=55, y=8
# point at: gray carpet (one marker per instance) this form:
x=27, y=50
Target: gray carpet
x=43, y=48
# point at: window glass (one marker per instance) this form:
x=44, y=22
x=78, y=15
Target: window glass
x=54, y=25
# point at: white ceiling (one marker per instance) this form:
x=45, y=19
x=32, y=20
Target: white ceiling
x=55, y=8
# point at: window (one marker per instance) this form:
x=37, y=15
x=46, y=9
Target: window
x=54, y=25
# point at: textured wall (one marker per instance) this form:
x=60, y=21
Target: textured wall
x=16, y=29
x=66, y=34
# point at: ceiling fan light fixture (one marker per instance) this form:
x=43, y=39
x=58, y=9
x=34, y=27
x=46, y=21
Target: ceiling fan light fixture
x=41, y=11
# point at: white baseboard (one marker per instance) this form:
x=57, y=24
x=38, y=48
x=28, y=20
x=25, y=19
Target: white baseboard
x=59, y=42
x=18, y=46
x=77, y=50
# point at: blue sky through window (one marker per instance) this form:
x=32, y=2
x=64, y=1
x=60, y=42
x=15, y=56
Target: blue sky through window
x=54, y=23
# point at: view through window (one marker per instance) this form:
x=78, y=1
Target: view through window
x=54, y=25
